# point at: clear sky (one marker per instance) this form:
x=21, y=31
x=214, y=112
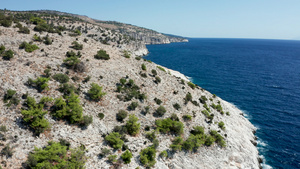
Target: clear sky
x=267, y=19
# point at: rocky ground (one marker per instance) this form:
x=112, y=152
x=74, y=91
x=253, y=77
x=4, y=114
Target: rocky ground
x=238, y=133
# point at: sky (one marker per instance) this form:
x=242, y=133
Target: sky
x=263, y=19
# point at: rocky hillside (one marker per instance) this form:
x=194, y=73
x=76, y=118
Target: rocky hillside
x=77, y=95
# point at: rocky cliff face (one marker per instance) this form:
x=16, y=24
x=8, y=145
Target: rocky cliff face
x=194, y=104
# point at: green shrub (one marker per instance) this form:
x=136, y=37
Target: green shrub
x=177, y=144
x=101, y=54
x=161, y=68
x=132, y=126
x=37, y=20
x=61, y=78
x=187, y=117
x=24, y=30
x=95, y=92
x=2, y=49
x=105, y=152
x=126, y=157
x=157, y=79
x=221, y=125
x=154, y=72
x=214, y=96
x=129, y=91
x=192, y=85
x=176, y=106
x=163, y=154
x=47, y=40
x=37, y=38
x=76, y=45
x=144, y=67
x=138, y=58
x=157, y=101
x=218, y=138
x=6, y=22
x=86, y=120
x=227, y=113
x=147, y=156
x=76, y=32
x=121, y=115
x=10, y=98
x=9, y=54
x=146, y=110
x=155, y=143
x=144, y=75
x=197, y=130
x=64, y=142
x=203, y=99
x=188, y=98
x=174, y=117
x=7, y=151
x=151, y=135
x=193, y=142
x=160, y=111
x=86, y=79
x=112, y=158
x=69, y=109
x=67, y=89
x=209, y=140
x=126, y=54
x=71, y=61
x=36, y=120
x=101, y=115
x=3, y=128
x=122, y=130
x=56, y=155
x=133, y=106
x=40, y=83
x=114, y=140
x=28, y=47
x=47, y=72
x=169, y=125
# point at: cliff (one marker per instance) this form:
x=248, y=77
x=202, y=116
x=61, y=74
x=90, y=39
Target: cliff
x=231, y=145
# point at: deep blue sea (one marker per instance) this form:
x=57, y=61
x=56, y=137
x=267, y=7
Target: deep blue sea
x=261, y=77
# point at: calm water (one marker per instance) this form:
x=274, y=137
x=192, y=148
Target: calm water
x=261, y=77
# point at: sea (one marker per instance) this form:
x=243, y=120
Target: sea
x=261, y=77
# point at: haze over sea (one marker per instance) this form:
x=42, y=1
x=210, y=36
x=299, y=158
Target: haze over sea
x=261, y=77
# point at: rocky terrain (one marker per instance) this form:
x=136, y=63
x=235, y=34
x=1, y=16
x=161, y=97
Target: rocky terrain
x=231, y=146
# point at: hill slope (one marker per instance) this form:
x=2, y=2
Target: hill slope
x=131, y=84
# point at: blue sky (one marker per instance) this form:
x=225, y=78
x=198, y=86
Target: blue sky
x=267, y=19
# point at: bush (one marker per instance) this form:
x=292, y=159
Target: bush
x=114, y=140
x=101, y=115
x=188, y=98
x=37, y=20
x=192, y=85
x=157, y=79
x=10, y=98
x=36, y=120
x=129, y=91
x=138, y=58
x=126, y=54
x=56, y=155
x=193, y=142
x=144, y=67
x=154, y=72
x=37, y=38
x=121, y=115
x=177, y=144
x=146, y=110
x=24, y=30
x=40, y=83
x=203, y=99
x=95, y=92
x=47, y=72
x=144, y=75
x=161, y=68
x=126, y=157
x=69, y=109
x=218, y=138
x=157, y=101
x=176, y=106
x=28, y=47
x=2, y=49
x=147, y=156
x=197, y=130
x=221, y=125
x=163, y=154
x=160, y=111
x=47, y=40
x=87, y=120
x=151, y=135
x=155, y=143
x=61, y=78
x=3, y=128
x=187, y=117
x=9, y=54
x=85, y=80
x=132, y=126
x=101, y=54
x=133, y=106
x=67, y=89
x=209, y=140
x=169, y=125
x=7, y=151
x=76, y=45
x=112, y=158
x=71, y=61
x=105, y=152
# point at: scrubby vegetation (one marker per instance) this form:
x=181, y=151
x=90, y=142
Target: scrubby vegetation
x=76, y=45
x=168, y=125
x=101, y=54
x=7, y=55
x=147, y=156
x=41, y=83
x=114, y=140
x=10, y=98
x=95, y=92
x=129, y=90
x=121, y=115
x=61, y=78
x=126, y=157
x=160, y=111
x=28, y=47
x=161, y=68
x=133, y=128
x=56, y=155
x=192, y=85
